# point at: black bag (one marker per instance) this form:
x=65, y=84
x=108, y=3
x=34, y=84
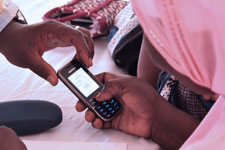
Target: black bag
x=125, y=40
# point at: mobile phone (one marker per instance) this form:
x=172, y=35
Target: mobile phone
x=86, y=86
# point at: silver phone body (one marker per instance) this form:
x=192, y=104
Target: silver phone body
x=88, y=99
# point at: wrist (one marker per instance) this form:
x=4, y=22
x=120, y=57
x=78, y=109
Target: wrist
x=171, y=127
x=7, y=34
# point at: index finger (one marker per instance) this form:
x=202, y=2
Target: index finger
x=82, y=48
x=73, y=37
x=88, y=39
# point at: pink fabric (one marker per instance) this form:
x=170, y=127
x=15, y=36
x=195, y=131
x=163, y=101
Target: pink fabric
x=190, y=35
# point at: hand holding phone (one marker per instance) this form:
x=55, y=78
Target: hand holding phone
x=86, y=86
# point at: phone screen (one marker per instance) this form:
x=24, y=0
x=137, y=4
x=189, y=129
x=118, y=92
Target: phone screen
x=83, y=82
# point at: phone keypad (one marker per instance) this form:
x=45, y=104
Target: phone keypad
x=108, y=108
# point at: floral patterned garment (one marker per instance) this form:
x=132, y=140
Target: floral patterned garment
x=181, y=97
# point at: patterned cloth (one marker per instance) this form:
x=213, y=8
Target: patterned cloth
x=101, y=12
x=124, y=22
x=190, y=102
x=181, y=97
x=7, y=13
x=166, y=90
x=109, y=12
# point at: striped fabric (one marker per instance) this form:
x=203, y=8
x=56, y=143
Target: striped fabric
x=8, y=11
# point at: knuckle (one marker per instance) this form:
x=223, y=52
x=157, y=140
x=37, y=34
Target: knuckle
x=6, y=131
x=51, y=22
x=85, y=37
x=88, y=33
x=108, y=85
x=48, y=24
x=77, y=34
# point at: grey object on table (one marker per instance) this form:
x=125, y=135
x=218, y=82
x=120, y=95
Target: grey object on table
x=29, y=116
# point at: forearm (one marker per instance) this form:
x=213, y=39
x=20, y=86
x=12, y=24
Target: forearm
x=8, y=35
x=171, y=127
x=146, y=68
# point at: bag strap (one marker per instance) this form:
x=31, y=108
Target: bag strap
x=77, y=13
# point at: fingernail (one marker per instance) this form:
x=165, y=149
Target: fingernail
x=90, y=62
x=51, y=80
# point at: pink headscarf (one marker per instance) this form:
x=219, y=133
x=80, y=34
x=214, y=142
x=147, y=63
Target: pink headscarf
x=190, y=35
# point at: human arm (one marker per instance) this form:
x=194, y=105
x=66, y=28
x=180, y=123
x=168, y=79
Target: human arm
x=23, y=45
x=145, y=113
x=147, y=70
x=9, y=140
x=171, y=126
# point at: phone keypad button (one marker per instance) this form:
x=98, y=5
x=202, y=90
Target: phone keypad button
x=108, y=108
x=115, y=104
x=113, y=111
x=108, y=116
x=98, y=107
x=117, y=107
x=112, y=101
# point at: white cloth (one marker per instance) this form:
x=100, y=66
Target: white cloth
x=8, y=11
